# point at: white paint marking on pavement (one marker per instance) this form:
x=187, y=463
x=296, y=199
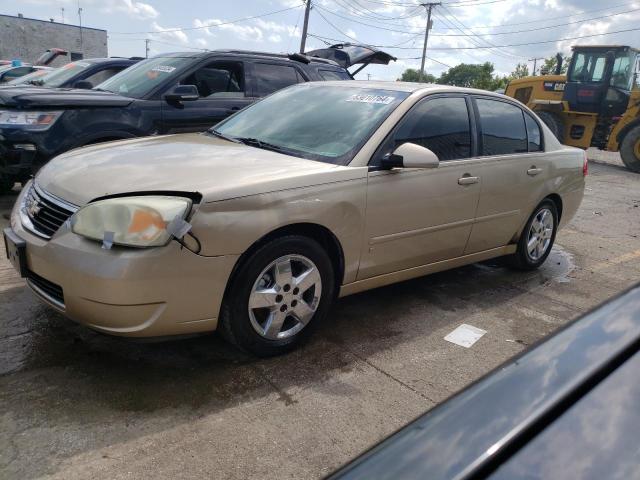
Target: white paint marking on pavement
x=465, y=335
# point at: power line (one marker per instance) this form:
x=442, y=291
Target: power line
x=541, y=28
x=330, y=40
x=540, y=42
x=495, y=48
x=476, y=27
x=169, y=30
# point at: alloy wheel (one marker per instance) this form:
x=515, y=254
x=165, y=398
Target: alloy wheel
x=284, y=297
x=540, y=234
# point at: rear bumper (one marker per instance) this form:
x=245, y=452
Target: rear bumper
x=123, y=291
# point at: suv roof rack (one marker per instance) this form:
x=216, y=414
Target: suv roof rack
x=298, y=57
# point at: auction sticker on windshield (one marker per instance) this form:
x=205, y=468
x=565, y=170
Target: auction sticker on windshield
x=381, y=99
x=163, y=68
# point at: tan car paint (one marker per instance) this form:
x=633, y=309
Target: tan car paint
x=216, y=168
x=391, y=225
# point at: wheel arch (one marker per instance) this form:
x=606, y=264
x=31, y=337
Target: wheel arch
x=313, y=231
x=626, y=129
x=557, y=201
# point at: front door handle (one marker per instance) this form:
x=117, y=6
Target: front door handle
x=467, y=180
x=533, y=171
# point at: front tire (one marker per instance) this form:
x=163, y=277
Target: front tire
x=630, y=149
x=278, y=296
x=537, y=237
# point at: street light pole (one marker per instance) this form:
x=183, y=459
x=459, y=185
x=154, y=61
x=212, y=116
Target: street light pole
x=429, y=7
x=303, y=40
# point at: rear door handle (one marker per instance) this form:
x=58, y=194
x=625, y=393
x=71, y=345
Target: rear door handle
x=533, y=171
x=467, y=180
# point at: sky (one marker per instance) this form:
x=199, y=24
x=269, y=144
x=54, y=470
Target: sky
x=460, y=27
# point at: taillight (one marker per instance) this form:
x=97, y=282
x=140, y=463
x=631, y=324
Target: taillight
x=585, y=165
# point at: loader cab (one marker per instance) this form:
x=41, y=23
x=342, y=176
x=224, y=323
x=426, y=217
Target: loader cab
x=600, y=79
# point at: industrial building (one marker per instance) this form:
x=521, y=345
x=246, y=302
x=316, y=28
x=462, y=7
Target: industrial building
x=27, y=38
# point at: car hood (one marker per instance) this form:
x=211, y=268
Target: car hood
x=195, y=163
x=31, y=96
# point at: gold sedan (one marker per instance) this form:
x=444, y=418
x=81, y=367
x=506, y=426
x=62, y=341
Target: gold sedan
x=318, y=191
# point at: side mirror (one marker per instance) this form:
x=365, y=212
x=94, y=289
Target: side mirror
x=182, y=93
x=83, y=84
x=410, y=155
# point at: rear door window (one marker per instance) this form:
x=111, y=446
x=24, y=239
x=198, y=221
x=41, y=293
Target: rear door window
x=502, y=126
x=270, y=77
x=439, y=124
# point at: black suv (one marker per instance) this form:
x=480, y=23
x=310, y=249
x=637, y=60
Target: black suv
x=170, y=93
x=81, y=74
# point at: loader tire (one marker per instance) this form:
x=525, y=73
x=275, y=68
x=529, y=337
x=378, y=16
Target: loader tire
x=554, y=123
x=630, y=149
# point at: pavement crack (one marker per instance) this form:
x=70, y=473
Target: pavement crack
x=391, y=377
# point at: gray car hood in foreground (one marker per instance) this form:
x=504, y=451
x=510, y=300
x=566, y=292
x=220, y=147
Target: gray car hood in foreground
x=216, y=168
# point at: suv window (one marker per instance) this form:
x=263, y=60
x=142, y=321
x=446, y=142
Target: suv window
x=503, y=129
x=271, y=77
x=218, y=79
x=533, y=134
x=334, y=75
x=439, y=124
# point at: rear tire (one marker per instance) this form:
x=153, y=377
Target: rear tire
x=630, y=149
x=554, y=123
x=537, y=238
x=278, y=296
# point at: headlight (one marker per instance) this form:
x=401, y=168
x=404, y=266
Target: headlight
x=134, y=221
x=30, y=120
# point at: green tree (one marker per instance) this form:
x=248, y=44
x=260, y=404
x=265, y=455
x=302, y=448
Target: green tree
x=469, y=75
x=413, y=75
x=549, y=65
x=522, y=70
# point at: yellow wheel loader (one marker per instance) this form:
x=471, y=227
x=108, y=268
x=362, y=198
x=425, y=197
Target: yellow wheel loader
x=596, y=104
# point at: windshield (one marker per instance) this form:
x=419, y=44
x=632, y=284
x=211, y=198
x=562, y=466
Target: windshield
x=38, y=74
x=318, y=122
x=140, y=79
x=55, y=78
x=623, y=70
x=589, y=67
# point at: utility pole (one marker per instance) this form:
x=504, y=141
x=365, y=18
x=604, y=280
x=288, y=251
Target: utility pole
x=80, y=24
x=429, y=7
x=62, y=14
x=303, y=40
x=535, y=63
x=146, y=48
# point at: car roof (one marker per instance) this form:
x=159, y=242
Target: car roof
x=252, y=53
x=410, y=87
x=108, y=59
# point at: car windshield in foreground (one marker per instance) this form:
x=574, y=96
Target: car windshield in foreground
x=318, y=122
x=141, y=78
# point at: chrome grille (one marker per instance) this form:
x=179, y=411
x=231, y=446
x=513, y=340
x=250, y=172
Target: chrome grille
x=44, y=212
